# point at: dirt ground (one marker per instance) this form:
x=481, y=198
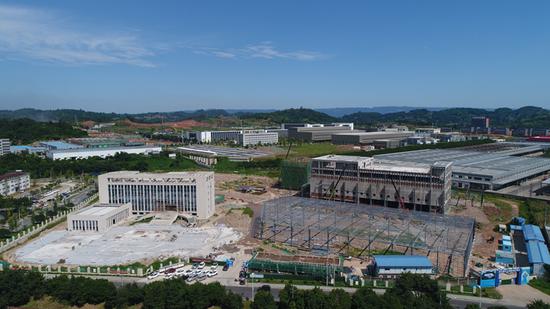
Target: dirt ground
x=487, y=218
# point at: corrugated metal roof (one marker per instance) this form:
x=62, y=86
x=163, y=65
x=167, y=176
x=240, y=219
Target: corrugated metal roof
x=402, y=261
x=532, y=232
x=537, y=252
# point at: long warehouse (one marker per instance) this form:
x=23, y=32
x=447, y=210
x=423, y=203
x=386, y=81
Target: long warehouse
x=480, y=169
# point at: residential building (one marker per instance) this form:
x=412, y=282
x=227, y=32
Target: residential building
x=188, y=193
x=386, y=183
x=84, y=153
x=99, y=217
x=481, y=122
x=4, y=146
x=14, y=182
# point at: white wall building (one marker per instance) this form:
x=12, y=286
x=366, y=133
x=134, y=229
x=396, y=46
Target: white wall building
x=11, y=183
x=99, y=217
x=255, y=138
x=4, y=146
x=85, y=153
x=190, y=193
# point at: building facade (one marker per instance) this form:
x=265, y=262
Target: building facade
x=85, y=153
x=256, y=138
x=379, y=182
x=11, y=183
x=4, y=146
x=190, y=193
x=99, y=217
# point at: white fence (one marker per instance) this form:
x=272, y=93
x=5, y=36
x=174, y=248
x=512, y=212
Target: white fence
x=37, y=228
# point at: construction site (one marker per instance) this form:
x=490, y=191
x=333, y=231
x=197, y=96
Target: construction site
x=328, y=228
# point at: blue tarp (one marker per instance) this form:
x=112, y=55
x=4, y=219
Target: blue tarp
x=537, y=252
x=402, y=261
x=532, y=232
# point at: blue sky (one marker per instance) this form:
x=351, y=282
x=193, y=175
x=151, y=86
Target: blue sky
x=136, y=56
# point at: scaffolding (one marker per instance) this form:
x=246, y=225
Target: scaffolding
x=334, y=228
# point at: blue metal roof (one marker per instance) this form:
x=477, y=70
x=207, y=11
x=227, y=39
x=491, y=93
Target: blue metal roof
x=532, y=232
x=537, y=252
x=402, y=261
x=59, y=145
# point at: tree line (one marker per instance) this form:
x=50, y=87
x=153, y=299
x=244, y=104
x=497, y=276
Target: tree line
x=24, y=131
x=43, y=168
x=18, y=287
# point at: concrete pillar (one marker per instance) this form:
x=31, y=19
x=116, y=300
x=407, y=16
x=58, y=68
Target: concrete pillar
x=140, y=272
x=474, y=289
x=461, y=288
x=374, y=283
x=108, y=270
x=448, y=287
x=387, y=283
x=88, y=269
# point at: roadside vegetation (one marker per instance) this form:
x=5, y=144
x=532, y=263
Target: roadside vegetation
x=24, y=288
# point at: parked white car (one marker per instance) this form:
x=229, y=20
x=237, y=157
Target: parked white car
x=212, y=273
x=153, y=275
x=201, y=265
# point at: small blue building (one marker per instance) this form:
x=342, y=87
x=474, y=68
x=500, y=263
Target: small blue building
x=394, y=265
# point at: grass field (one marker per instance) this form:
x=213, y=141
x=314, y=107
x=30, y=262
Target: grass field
x=541, y=285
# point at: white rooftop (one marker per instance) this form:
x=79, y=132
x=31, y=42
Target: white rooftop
x=98, y=210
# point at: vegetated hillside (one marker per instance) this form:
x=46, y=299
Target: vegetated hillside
x=292, y=115
x=529, y=116
x=64, y=115
x=24, y=131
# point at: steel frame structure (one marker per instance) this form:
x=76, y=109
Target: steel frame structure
x=328, y=227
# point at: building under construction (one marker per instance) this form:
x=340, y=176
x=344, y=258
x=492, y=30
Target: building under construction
x=365, y=180
x=328, y=228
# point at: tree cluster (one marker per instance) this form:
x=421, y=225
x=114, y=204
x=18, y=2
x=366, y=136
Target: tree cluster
x=24, y=131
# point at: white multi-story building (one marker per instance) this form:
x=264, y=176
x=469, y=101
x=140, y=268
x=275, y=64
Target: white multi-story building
x=99, y=217
x=85, y=153
x=4, y=146
x=11, y=183
x=190, y=193
x=255, y=138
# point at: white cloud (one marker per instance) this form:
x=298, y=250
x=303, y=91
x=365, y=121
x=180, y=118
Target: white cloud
x=39, y=35
x=264, y=50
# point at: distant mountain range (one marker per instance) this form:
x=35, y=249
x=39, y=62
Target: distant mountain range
x=528, y=116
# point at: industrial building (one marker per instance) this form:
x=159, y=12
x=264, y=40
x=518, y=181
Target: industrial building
x=99, y=217
x=84, y=153
x=283, y=133
x=59, y=145
x=14, y=182
x=481, y=122
x=4, y=146
x=361, y=138
x=316, y=134
x=17, y=149
x=258, y=138
x=418, y=186
x=395, y=265
x=213, y=136
x=328, y=228
x=187, y=193
x=317, y=125
x=208, y=154
x=487, y=167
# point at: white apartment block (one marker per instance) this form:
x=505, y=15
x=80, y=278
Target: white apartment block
x=4, y=146
x=99, y=217
x=11, y=183
x=190, y=193
x=255, y=138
